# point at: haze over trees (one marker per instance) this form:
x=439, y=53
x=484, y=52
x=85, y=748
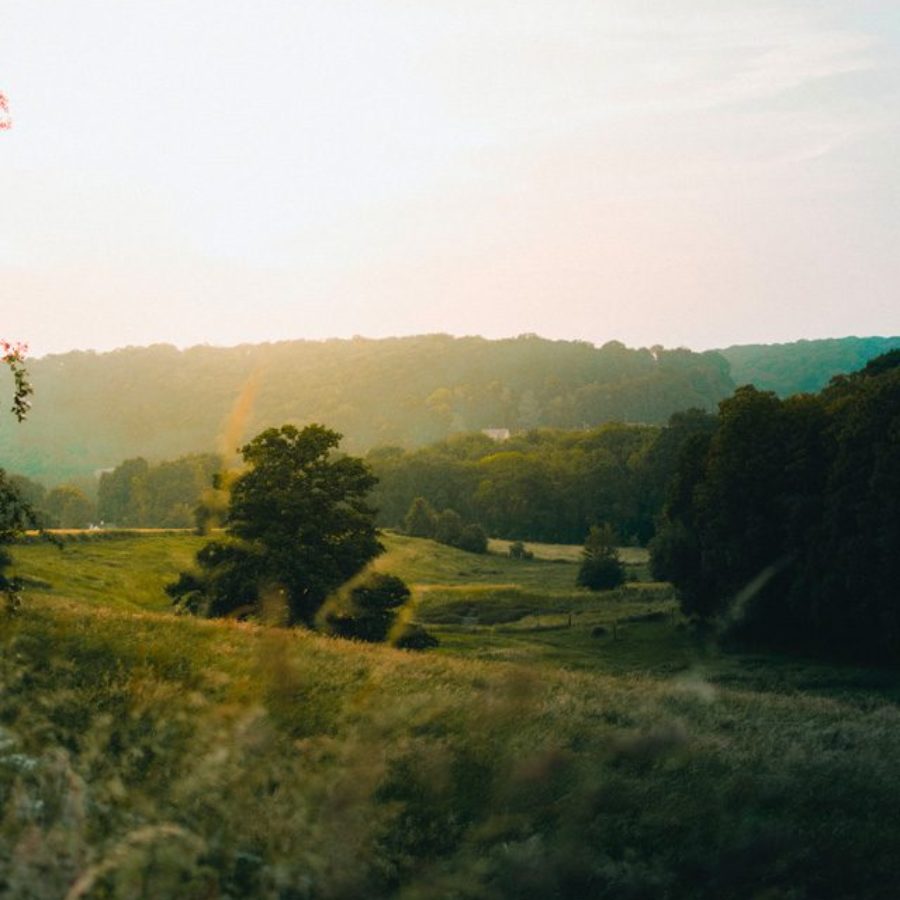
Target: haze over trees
x=161, y=403
x=137, y=494
x=802, y=366
x=98, y=409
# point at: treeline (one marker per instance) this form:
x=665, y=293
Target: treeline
x=138, y=495
x=543, y=485
x=783, y=524
x=158, y=402
x=802, y=366
x=65, y=506
x=135, y=494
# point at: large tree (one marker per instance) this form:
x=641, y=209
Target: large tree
x=299, y=527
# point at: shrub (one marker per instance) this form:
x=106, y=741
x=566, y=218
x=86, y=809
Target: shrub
x=601, y=568
x=374, y=606
x=415, y=637
x=473, y=539
x=517, y=550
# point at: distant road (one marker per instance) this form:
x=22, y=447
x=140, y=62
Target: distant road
x=34, y=532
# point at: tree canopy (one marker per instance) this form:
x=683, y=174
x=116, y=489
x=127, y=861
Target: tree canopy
x=158, y=402
x=299, y=527
x=543, y=485
x=783, y=523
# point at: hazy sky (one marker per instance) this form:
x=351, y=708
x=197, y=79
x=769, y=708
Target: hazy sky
x=695, y=172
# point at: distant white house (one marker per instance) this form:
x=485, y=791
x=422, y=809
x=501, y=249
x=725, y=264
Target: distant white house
x=496, y=434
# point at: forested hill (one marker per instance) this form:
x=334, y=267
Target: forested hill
x=92, y=410
x=802, y=366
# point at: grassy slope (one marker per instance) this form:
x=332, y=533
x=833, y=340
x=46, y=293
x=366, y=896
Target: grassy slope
x=153, y=756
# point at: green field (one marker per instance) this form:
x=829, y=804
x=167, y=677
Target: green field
x=557, y=743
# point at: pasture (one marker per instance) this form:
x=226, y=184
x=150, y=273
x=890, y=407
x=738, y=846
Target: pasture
x=557, y=743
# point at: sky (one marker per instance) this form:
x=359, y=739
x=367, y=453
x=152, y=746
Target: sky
x=693, y=173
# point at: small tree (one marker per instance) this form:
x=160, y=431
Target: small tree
x=421, y=519
x=517, y=550
x=448, y=527
x=473, y=539
x=601, y=569
x=15, y=517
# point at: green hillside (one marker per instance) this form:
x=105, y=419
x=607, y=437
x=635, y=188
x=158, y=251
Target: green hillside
x=802, y=366
x=93, y=410
x=557, y=744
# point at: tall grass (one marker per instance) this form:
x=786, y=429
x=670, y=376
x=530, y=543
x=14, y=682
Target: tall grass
x=146, y=755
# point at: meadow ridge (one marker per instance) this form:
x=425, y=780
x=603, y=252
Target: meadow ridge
x=146, y=754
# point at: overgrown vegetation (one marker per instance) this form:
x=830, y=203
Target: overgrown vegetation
x=98, y=409
x=543, y=485
x=558, y=742
x=145, y=755
x=137, y=494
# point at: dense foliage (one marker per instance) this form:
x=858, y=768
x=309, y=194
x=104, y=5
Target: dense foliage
x=137, y=494
x=15, y=512
x=784, y=523
x=65, y=506
x=299, y=527
x=15, y=516
x=98, y=409
x=446, y=527
x=373, y=607
x=601, y=569
x=802, y=366
x=544, y=485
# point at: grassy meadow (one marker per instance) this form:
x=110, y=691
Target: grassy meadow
x=557, y=743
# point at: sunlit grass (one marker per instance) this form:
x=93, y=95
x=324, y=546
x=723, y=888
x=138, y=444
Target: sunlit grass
x=126, y=571
x=148, y=755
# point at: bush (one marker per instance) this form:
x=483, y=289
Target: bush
x=517, y=550
x=601, y=574
x=473, y=539
x=374, y=606
x=601, y=569
x=415, y=637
